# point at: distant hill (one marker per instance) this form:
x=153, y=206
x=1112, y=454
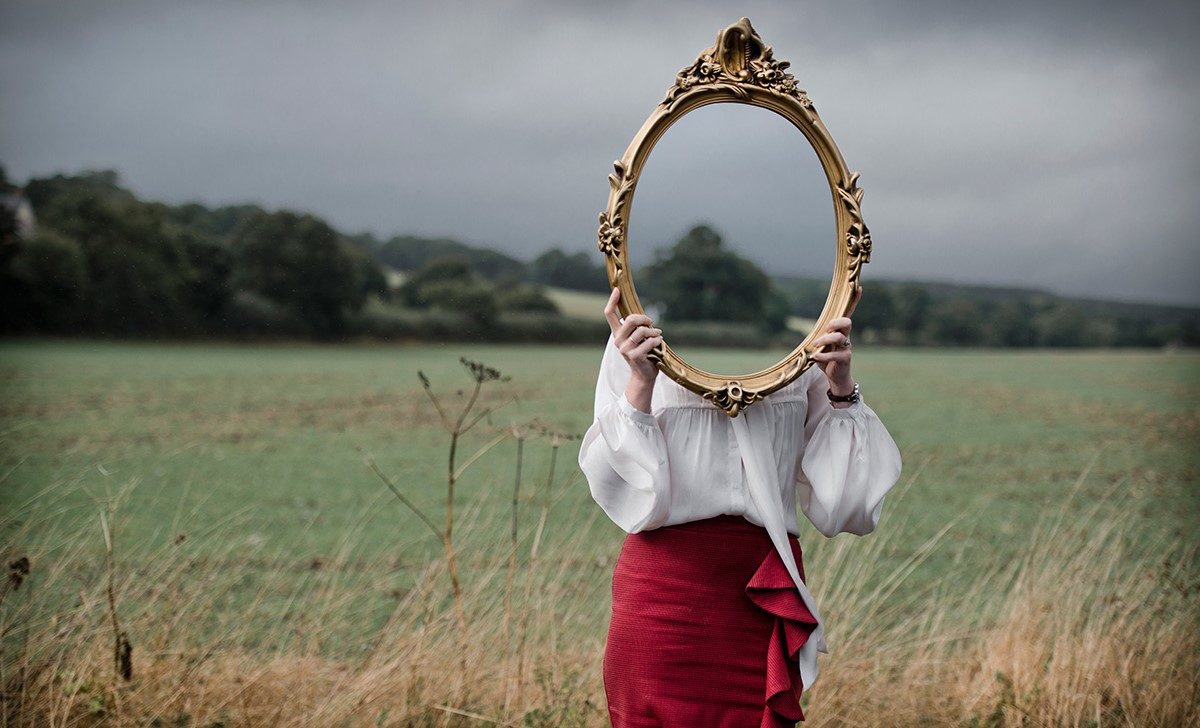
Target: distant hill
x=577, y=284
x=584, y=271
x=410, y=253
x=816, y=288
x=1121, y=309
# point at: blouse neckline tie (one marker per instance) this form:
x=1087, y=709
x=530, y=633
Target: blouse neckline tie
x=764, y=492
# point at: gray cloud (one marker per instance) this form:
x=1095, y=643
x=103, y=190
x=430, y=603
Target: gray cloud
x=1005, y=143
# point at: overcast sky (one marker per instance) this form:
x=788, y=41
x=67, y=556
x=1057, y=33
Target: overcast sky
x=1051, y=145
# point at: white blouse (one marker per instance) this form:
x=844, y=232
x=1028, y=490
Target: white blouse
x=689, y=460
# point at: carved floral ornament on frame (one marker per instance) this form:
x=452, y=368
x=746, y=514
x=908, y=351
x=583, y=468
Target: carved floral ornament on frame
x=738, y=68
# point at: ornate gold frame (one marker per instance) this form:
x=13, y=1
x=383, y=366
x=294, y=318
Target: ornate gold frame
x=739, y=68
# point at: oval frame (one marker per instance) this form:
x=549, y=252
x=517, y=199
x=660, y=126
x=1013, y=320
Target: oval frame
x=738, y=68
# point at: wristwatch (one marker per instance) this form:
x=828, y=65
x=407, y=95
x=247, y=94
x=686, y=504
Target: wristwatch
x=852, y=397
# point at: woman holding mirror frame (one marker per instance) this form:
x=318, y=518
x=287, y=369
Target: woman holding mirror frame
x=712, y=621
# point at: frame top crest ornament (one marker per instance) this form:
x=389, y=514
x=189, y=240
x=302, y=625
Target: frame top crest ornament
x=738, y=68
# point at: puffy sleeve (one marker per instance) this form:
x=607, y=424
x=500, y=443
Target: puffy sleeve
x=850, y=462
x=624, y=453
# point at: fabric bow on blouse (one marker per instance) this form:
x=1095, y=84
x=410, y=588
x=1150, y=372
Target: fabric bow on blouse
x=689, y=460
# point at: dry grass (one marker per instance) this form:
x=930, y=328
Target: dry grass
x=1079, y=631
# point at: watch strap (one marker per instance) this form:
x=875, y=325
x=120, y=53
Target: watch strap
x=852, y=397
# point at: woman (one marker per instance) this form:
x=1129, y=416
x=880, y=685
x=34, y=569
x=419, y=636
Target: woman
x=712, y=623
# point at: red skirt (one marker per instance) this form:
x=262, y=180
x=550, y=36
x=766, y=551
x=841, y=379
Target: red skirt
x=706, y=626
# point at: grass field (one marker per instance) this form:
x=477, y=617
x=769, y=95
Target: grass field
x=247, y=463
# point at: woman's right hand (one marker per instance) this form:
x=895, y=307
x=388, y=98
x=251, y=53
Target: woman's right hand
x=635, y=337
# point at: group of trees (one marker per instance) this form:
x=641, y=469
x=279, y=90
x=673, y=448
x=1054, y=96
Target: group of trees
x=100, y=261
x=449, y=283
x=910, y=313
x=699, y=279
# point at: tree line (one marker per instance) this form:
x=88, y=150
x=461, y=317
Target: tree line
x=100, y=261
x=701, y=279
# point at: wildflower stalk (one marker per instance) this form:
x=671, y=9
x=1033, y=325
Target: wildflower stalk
x=456, y=428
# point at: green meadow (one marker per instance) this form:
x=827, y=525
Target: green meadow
x=252, y=460
x=274, y=437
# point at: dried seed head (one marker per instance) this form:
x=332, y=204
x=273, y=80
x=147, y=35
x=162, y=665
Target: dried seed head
x=481, y=372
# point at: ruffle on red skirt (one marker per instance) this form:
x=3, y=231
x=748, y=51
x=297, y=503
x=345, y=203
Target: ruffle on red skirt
x=772, y=589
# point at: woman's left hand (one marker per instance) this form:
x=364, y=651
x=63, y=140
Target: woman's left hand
x=836, y=362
